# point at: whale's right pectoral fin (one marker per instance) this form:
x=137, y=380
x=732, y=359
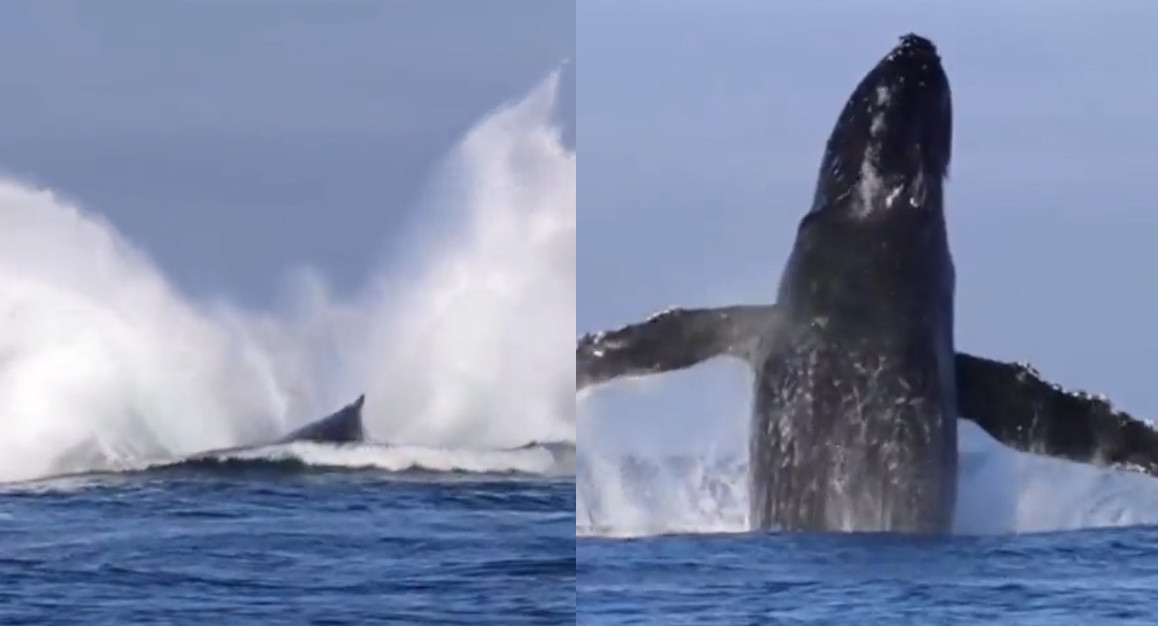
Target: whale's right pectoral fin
x=671, y=340
x=1020, y=409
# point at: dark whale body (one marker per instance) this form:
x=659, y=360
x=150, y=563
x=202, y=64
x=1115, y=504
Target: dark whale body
x=343, y=426
x=854, y=421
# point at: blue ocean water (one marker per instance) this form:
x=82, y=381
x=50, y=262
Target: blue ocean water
x=1106, y=576
x=664, y=540
x=286, y=543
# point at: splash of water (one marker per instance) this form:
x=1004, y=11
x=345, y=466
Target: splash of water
x=999, y=491
x=104, y=363
x=479, y=343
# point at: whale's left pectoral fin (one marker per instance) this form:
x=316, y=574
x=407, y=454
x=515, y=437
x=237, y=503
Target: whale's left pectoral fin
x=671, y=340
x=1020, y=409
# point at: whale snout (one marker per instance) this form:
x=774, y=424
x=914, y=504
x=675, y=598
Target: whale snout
x=893, y=139
x=927, y=99
x=906, y=104
x=912, y=69
x=916, y=46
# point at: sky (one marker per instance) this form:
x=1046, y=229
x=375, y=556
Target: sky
x=235, y=140
x=701, y=128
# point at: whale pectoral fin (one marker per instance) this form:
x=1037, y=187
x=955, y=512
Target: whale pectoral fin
x=671, y=340
x=1016, y=406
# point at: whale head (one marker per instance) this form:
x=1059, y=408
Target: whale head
x=891, y=145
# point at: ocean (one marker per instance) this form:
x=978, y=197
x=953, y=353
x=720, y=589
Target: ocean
x=663, y=539
x=265, y=542
x=1078, y=577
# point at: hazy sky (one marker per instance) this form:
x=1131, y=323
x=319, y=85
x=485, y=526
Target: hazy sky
x=235, y=139
x=701, y=127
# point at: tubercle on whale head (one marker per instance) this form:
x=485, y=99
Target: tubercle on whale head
x=892, y=143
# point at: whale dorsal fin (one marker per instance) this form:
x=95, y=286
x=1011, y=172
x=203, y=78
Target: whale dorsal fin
x=342, y=426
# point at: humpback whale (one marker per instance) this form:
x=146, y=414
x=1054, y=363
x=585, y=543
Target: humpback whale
x=857, y=383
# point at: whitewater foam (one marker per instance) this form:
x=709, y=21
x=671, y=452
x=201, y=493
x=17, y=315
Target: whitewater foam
x=104, y=364
x=485, y=328
x=537, y=460
x=1000, y=491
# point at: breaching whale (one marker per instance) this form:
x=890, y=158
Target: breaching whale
x=857, y=385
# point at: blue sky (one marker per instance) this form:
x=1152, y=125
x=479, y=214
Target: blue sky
x=234, y=140
x=701, y=126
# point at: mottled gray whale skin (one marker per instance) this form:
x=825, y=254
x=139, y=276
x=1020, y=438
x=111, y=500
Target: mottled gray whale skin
x=854, y=421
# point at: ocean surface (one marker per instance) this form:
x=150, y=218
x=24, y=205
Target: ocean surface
x=284, y=542
x=664, y=539
x=1107, y=576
